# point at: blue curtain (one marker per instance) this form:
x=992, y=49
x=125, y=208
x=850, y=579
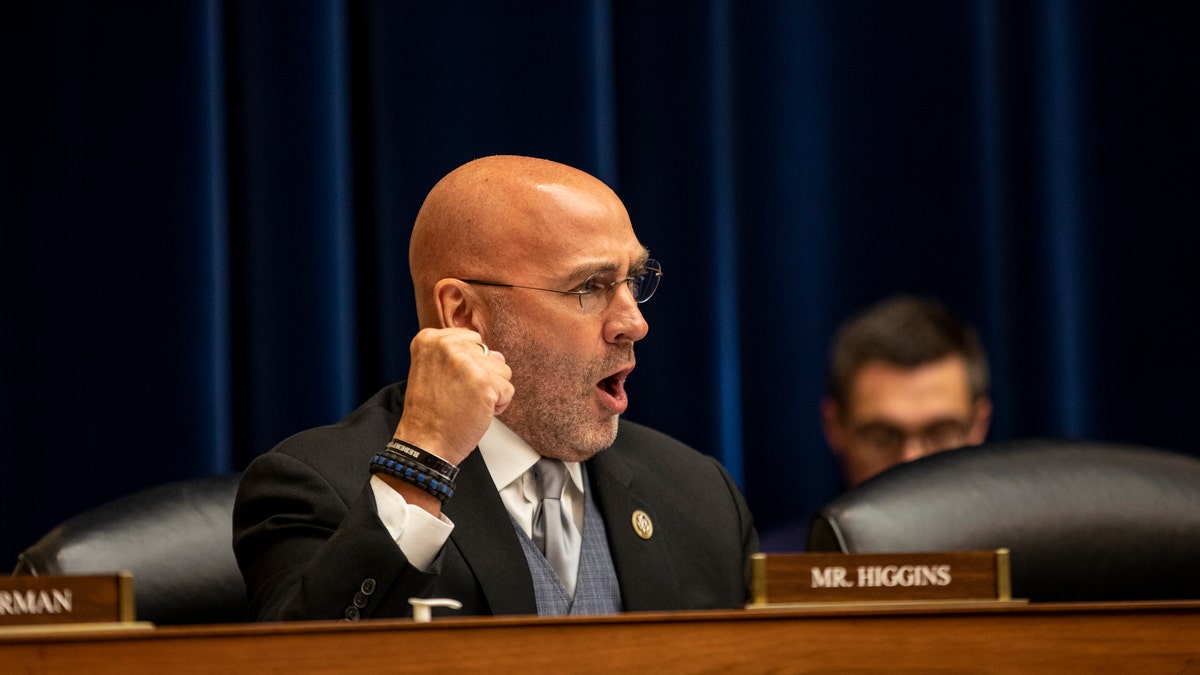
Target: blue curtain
x=206, y=208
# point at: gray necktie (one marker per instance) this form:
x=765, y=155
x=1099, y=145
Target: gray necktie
x=554, y=531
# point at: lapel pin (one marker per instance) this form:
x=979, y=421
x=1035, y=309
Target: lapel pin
x=642, y=524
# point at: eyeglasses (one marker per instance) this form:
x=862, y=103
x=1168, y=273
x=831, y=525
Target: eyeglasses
x=597, y=290
x=884, y=438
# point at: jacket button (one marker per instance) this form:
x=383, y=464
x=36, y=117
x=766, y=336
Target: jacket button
x=352, y=614
x=368, y=586
x=360, y=600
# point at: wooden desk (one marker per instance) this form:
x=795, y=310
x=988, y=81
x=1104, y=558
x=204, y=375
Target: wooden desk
x=1142, y=638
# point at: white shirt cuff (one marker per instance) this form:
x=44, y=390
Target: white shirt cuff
x=419, y=534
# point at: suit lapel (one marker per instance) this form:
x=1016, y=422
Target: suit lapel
x=644, y=566
x=484, y=537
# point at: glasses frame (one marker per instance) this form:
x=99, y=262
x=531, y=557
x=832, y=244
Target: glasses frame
x=928, y=436
x=650, y=267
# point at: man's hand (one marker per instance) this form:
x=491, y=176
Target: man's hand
x=454, y=389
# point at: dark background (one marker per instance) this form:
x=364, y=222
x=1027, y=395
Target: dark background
x=206, y=208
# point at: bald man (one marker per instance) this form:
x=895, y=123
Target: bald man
x=528, y=280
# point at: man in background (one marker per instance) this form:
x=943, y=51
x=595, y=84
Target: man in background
x=906, y=379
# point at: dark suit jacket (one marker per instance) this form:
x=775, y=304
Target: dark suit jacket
x=311, y=546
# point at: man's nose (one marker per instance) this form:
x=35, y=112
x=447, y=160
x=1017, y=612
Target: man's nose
x=625, y=321
x=914, y=448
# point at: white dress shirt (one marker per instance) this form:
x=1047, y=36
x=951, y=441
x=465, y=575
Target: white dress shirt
x=509, y=459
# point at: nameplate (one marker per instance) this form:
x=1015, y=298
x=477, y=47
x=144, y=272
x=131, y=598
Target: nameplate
x=34, y=600
x=788, y=578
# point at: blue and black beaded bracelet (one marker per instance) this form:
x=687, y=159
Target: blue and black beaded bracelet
x=411, y=472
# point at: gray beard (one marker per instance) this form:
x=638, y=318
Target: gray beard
x=553, y=402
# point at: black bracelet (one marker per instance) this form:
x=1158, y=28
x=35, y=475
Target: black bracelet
x=428, y=481
x=424, y=458
x=409, y=462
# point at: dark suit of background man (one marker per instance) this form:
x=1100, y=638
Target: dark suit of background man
x=528, y=278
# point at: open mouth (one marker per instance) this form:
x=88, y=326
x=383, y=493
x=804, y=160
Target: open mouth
x=613, y=389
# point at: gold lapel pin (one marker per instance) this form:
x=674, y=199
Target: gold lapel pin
x=642, y=524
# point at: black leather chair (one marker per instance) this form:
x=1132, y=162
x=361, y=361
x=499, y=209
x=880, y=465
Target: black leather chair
x=1084, y=521
x=176, y=539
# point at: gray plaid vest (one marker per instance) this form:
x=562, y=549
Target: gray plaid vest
x=596, y=587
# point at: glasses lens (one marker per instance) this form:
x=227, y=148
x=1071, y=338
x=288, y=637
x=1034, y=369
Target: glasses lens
x=881, y=438
x=641, y=286
x=644, y=284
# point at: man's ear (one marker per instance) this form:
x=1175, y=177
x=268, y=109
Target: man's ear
x=457, y=305
x=982, y=420
x=831, y=424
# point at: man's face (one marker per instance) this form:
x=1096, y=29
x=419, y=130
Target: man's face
x=568, y=365
x=896, y=415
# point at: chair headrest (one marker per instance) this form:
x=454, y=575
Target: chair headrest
x=176, y=539
x=1084, y=520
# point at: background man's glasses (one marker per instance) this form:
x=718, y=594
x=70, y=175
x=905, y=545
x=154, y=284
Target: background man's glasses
x=942, y=435
x=597, y=290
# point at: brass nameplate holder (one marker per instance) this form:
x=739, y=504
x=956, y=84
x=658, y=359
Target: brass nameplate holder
x=69, y=599
x=807, y=578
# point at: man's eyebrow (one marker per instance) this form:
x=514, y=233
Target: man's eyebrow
x=588, y=269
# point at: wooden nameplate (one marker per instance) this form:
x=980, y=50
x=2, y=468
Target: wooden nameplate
x=27, y=600
x=805, y=578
